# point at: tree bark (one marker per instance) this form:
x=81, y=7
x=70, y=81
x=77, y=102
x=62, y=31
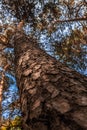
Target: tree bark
x=52, y=96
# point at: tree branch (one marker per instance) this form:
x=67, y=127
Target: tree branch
x=71, y=20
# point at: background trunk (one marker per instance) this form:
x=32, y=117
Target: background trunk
x=1, y=96
x=52, y=96
x=1, y=92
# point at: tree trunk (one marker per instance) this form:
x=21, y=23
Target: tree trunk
x=1, y=93
x=53, y=96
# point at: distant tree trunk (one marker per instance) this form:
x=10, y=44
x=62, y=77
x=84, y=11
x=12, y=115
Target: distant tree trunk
x=1, y=92
x=1, y=95
x=53, y=97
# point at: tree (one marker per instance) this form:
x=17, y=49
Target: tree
x=2, y=84
x=52, y=96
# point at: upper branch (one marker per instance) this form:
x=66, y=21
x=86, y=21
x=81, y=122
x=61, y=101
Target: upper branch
x=71, y=20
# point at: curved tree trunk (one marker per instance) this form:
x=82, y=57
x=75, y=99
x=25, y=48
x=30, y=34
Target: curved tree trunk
x=53, y=97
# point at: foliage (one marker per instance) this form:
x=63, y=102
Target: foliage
x=71, y=49
x=14, y=124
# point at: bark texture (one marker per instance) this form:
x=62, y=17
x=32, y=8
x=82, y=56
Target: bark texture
x=53, y=96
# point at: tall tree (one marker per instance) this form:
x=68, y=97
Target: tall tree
x=52, y=96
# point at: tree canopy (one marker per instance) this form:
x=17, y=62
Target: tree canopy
x=58, y=21
x=60, y=27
